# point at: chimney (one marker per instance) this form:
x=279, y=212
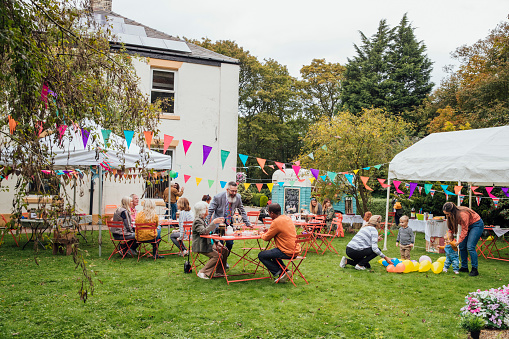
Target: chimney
x=101, y=5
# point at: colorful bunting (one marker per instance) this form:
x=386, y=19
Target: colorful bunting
x=259, y=186
x=128, y=137
x=478, y=200
x=61, y=131
x=396, y=184
x=355, y=171
x=323, y=177
x=167, y=142
x=224, y=156
x=270, y=186
x=311, y=179
x=39, y=126
x=292, y=182
x=296, y=169
x=186, y=178
x=206, y=152
x=198, y=180
x=84, y=137
x=324, y=147
x=271, y=166
x=297, y=163
x=365, y=182
x=12, y=125
x=473, y=188
x=311, y=156
x=505, y=189
x=281, y=166
x=489, y=189
x=420, y=189
x=243, y=158
x=462, y=196
x=413, y=185
x=383, y=184
x=457, y=189
x=495, y=201
x=222, y=183
x=427, y=188
x=246, y=185
x=211, y=182
x=432, y=192
x=444, y=187
x=106, y=135
x=366, y=168
x=281, y=183
x=349, y=177
x=148, y=138
x=315, y=172
x=186, y=144
x=331, y=175
x=261, y=162
x=377, y=166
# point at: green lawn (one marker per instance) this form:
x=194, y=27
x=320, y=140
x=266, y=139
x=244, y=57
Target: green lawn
x=156, y=299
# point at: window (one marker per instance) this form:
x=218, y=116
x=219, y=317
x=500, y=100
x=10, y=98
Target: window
x=46, y=185
x=154, y=187
x=163, y=88
x=348, y=205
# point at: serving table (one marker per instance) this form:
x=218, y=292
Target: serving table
x=495, y=246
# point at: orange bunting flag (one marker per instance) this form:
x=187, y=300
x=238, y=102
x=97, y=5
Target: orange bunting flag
x=148, y=138
x=382, y=182
x=457, y=189
x=365, y=182
x=473, y=188
x=261, y=162
x=280, y=166
x=259, y=186
x=12, y=125
x=167, y=141
x=246, y=185
x=198, y=180
x=270, y=186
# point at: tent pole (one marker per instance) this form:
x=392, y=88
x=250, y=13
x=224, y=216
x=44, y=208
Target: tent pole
x=469, y=195
x=99, y=221
x=458, y=202
x=387, y=211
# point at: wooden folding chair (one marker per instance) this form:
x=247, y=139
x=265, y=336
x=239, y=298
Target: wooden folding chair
x=143, y=244
x=295, y=261
x=118, y=242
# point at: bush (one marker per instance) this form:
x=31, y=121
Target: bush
x=263, y=201
x=245, y=194
x=255, y=200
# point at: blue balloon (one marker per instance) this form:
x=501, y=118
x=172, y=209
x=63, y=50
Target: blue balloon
x=395, y=261
x=385, y=263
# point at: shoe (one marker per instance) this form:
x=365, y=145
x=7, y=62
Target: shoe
x=276, y=276
x=282, y=278
x=456, y=272
x=360, y=268
x=158, y=257
x=342, y=264
x=444, y=270
x=464, y=269
x=203, y=276
x=227, y=266
x=184, y=253
x=218, y=275
x=133, y=253
x=474, y=272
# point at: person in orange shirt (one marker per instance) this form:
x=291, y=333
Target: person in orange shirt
x=472, y=227
x=283, y=231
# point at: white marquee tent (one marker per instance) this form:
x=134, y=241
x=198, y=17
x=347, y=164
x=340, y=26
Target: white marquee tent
x=479, y=157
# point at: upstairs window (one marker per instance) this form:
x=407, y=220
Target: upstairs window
x=163, y=88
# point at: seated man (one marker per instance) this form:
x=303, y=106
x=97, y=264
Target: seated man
x=283, y=231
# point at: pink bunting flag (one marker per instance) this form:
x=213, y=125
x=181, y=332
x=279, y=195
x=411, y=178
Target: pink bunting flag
x=261, y=162
x=186, y=178
x=148, y=138
x=186, y=144
x=296, y=169
x=412, y=187
x=167, y=141
x=457, y=189
x=206, y=152
x=61, y=131
x=281, y=166
x=259, y=186
x=478, y=200
x=297, y=163
x=495, y=201
x=365, y=182
x=396, y=184
x=271, y=166
x=489, y=189
x=473, y=188
x=420, y=189
x=382, y=182
x=84, y=137
x=505, y=189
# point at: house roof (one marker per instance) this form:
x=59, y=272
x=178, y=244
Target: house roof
x=194, y=53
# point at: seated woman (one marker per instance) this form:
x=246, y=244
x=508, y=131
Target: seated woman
x=328, y=210
x=149, y=216
x=315, y=207
x=178, y=237
x=364, y=246
x=207, y=198
x=203, y=245
x=122, y=214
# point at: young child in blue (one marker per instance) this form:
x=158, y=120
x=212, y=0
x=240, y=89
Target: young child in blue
x=451, y=253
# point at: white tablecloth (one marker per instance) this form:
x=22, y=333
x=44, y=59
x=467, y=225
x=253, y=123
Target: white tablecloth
x=430, y=228
x=352, y=219
x=500, y=231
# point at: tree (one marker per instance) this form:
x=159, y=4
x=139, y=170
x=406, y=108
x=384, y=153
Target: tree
x=321, y=87
x=56, y=70
x=354, y=142
x=448, y=120
x=390, y=70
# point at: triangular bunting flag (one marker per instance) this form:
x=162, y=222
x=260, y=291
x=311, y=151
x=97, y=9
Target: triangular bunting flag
x=211, y=182
x=365, y=182
x=243, y=158
x=495, y=201
x=167, y=142
x=296, y=169
x=246, y=185
x=222, y=183
x=311, y=156
x=461, y=198
x=505, y=189
x=259, y=186
x=444, y=187
x=473, y=188
x=349, y=177
x=186, y=178
x=457, y=189
x=128, y=137
x=61, y=131
x=106, y=135
x=432, y=192
x=311, y=179
x=489, y=189
x=261, y=162
x=186, y=144
x=271, y=166
x=198, y=180
x=323, y=177
x=148, y=138
x=382, y=183
x=332, y=175
x=281, y=183
x=478, y=200
x=366, y=168
x=413, y=185
x=324, y=147
x=420, y=189
x=377, y=166
x=396, y=184
x=84, y=137
x=292, y=182
x=12, y=125
x=270, y=186
x=206, y=152
x=355, y=171
x=224, y=156
x=297, y=163
x=281, y=166
x=427, y=188
x=39, y=126
x=315, y=172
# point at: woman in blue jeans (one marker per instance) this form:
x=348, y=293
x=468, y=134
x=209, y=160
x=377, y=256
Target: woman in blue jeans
x=472, y=227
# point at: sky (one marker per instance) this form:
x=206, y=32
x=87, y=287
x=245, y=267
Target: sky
x=295, y=32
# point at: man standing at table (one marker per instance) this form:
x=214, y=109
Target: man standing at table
x=171, y=196
x=283, y=231
x=224, y=204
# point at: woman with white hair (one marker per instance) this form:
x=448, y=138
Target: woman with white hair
x=203, y=245
x=122, y=214
x=364, y=246
x=149, y=216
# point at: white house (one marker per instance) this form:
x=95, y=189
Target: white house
x=203, y=88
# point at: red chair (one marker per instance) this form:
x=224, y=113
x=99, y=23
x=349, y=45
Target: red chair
x=188, y=234
x=143, y=243
x=338, y=226
x=4, y=230
x=295, y=261
x=118, y=242
x=327, y=236
x=253, y=217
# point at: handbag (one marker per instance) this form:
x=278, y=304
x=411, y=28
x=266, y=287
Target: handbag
x=187, y=265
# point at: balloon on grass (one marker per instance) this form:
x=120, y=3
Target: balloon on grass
x=441, y=259
x=409, y=266
x=437, y=267
x=424, y=266
x=400, y=268
x=425, y=257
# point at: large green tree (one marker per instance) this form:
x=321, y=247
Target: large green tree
x=390, y=70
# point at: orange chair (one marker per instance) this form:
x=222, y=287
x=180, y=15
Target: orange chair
x=293, y=265
x=118, y=242
x=188, y=233
x=109, y=210
x=5, y=228
x=143, y=243
x=253, y=217
x=327, y=236
x=338, y=225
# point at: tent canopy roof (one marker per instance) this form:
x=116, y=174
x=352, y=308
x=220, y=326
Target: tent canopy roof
x=479, y=156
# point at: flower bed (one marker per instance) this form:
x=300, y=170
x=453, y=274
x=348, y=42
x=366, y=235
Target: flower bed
x=492, y=305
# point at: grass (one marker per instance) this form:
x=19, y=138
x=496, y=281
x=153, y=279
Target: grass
x=157, y=300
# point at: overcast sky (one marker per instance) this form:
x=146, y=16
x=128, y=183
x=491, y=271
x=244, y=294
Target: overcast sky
x=295, y=32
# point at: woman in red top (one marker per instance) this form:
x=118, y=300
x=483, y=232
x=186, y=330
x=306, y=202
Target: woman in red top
x=472, y=227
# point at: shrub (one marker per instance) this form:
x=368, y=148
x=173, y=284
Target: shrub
x=263, y=201
x=491, y=305
x=245, y=194
x=255, y=200
x=472, y=323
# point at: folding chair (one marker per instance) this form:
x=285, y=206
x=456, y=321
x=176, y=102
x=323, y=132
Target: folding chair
x=381, y=230
x=337, y=225
x=143, y=243
x=295, y=261
x=328, y=236
x=188, y=232
x=118, y=242
x=253, y=217
x=319, y=218
x=4, y=230
x=109, y=210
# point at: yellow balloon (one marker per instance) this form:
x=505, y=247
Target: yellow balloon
x=381, y=260
x=416, y=266
x=441, y=259
x=424, y=266
x=437, y=267
x=409, y=266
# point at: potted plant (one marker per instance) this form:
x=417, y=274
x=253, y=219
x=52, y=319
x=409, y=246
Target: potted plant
x=473, y=324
